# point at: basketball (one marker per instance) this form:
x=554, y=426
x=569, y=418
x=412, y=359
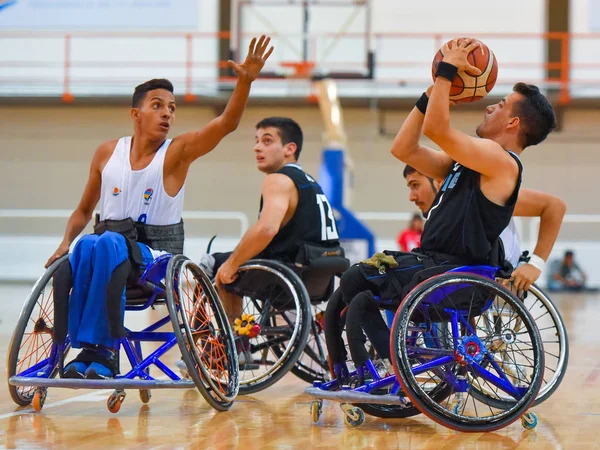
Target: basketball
x=467, y=87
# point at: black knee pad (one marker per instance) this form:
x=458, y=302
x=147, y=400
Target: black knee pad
x=62, y=283
x=114, y=298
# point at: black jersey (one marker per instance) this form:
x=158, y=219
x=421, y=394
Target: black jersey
x=313, y=221
x=462, y=222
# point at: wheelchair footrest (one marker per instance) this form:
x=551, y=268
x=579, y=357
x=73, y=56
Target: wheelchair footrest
x=116, y=383
x=353, y=397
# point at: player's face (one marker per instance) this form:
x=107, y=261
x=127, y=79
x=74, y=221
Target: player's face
x=421, y=192
x=269, y=151
x=157, y=113
x=497, y=117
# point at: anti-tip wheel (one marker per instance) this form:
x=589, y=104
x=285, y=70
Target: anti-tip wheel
x=353, y=415
x=145, y=395
x=39, y=398
x=316, y=410
x=115, y=401
x=529, y=420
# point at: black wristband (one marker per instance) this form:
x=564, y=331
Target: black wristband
x=421, y=104
x=446, y=70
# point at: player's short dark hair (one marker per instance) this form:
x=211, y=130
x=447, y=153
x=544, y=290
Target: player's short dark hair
x=140, y=91
x=535, y=113
x=569, y=253
x=288, y=129
x=408, y=170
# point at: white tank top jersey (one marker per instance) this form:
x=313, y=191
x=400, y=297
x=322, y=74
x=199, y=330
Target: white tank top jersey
x=139, y=194
x=512, y=243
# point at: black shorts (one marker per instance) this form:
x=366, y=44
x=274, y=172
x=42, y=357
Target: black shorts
x=391, y=286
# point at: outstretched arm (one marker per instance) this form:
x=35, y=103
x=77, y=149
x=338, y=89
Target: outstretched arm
x=198, y=143
x=406, y=148
x=91, y=194
x=277, y=193
x=481, y=155
x=550, y=210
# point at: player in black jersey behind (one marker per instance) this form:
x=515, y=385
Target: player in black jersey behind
x=293, y=208
x=293, y=211
x=474, y=204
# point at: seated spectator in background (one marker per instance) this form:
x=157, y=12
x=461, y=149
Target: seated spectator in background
x=566, y=274
x=410, y=237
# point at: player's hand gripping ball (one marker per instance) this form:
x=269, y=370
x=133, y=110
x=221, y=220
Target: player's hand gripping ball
x=469, y=86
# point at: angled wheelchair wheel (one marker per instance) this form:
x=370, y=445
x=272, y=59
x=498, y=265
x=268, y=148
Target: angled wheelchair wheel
x=32, y=351
x=554, y=340
x=203, y=332
x=275, y=299
x=494, y=367
x=313, y=363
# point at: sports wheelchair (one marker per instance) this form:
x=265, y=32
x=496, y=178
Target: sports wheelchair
x=200, y=329
x=282, y=319
x=465, y=351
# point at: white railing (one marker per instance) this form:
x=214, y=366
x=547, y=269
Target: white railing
x=66, y=213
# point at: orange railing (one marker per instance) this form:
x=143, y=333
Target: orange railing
x=192, y=64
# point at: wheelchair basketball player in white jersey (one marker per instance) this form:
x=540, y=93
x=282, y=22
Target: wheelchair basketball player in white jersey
x=139, y=183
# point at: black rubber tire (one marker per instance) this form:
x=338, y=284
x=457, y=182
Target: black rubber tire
x=304, y=317
x=403, y=366
x=17, y=337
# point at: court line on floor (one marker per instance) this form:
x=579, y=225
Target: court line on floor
x=78, y=398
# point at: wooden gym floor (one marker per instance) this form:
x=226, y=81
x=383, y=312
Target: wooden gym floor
x=278, y=418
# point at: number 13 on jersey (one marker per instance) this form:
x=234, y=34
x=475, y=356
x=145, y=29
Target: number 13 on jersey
x=328, y=227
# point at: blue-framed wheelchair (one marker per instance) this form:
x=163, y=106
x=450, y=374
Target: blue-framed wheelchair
x=465, y=351
x=201, y=332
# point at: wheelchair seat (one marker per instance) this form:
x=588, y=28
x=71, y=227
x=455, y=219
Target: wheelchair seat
x=318, y=276
x=140, y=292
x=137, y=295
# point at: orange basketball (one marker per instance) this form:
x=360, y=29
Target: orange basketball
x=467, y=87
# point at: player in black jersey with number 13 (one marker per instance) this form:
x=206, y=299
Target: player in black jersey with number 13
x=293, y=210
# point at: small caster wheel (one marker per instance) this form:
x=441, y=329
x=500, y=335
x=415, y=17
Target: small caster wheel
x=145, y=395
x=454, y=407
x=529, y=420
x=353, y=415
x=39, y=398
x=316, y=408
x=115, y=400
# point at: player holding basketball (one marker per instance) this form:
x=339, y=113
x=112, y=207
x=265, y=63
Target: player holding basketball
x=139, y=178
x=482, y=177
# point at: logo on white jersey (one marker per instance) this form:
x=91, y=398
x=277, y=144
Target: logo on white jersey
x=116, y=191
x=148, y=195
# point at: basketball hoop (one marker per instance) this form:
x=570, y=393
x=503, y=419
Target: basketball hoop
x=301, y=70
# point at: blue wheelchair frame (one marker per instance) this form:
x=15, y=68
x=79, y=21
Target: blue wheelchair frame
x=432, y=348
x=39, y=374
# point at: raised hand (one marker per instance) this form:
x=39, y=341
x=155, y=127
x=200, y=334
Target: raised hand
x=457, y=55
x=255, y=60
